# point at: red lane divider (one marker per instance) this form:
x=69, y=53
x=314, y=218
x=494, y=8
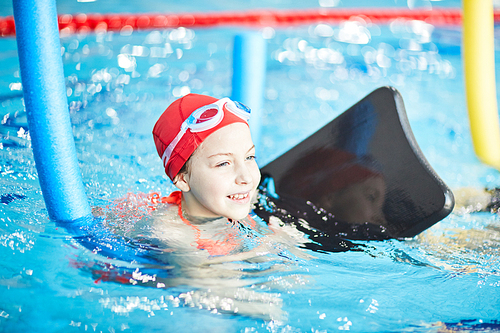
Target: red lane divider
x=82, y=23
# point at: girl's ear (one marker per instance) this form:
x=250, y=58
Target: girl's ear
x=181, y=182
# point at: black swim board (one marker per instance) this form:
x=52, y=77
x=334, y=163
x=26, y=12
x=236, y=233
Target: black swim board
x=361, y=170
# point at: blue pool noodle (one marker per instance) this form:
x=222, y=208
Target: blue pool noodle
x=52, y=140
x=249, y=73
x=47, y=110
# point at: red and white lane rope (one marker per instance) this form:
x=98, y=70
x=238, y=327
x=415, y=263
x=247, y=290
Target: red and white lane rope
x=259, y=18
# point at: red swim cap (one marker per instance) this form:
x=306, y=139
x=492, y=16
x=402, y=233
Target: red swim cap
x=168, y=127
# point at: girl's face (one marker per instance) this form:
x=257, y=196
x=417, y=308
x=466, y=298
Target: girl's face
x=222, y=176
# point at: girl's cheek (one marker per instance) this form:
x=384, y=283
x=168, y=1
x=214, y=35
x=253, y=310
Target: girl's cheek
x=257, y=172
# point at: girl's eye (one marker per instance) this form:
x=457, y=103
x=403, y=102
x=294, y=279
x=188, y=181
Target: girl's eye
x=222, y=164
x=251, y=158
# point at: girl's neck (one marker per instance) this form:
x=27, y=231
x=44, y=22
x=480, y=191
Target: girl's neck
x=200, y=219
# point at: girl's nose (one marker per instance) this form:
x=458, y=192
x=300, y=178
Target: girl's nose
x=243, y=174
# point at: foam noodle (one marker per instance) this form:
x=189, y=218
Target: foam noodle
x=49, y=124
x=479, y=62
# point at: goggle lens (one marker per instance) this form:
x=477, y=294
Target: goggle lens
x=239, y=109
x=242, y=107
x=207, y=115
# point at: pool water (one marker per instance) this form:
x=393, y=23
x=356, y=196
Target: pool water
x=445, y=279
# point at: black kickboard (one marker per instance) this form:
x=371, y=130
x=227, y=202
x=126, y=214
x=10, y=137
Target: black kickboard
x=363, y=166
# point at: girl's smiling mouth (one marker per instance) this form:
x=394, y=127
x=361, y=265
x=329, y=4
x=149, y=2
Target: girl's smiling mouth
x=240, y=197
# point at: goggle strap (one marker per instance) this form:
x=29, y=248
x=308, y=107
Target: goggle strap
x=168, y=152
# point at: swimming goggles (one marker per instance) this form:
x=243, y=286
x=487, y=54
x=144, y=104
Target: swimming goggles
x=205, y=118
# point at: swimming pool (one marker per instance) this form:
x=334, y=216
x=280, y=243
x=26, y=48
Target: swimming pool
x=117, y=87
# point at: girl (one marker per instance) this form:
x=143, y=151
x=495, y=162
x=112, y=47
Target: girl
x=206, y=232
x=208, y=153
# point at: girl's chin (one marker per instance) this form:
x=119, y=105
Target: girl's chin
x=239, y=215
x=238, y=211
